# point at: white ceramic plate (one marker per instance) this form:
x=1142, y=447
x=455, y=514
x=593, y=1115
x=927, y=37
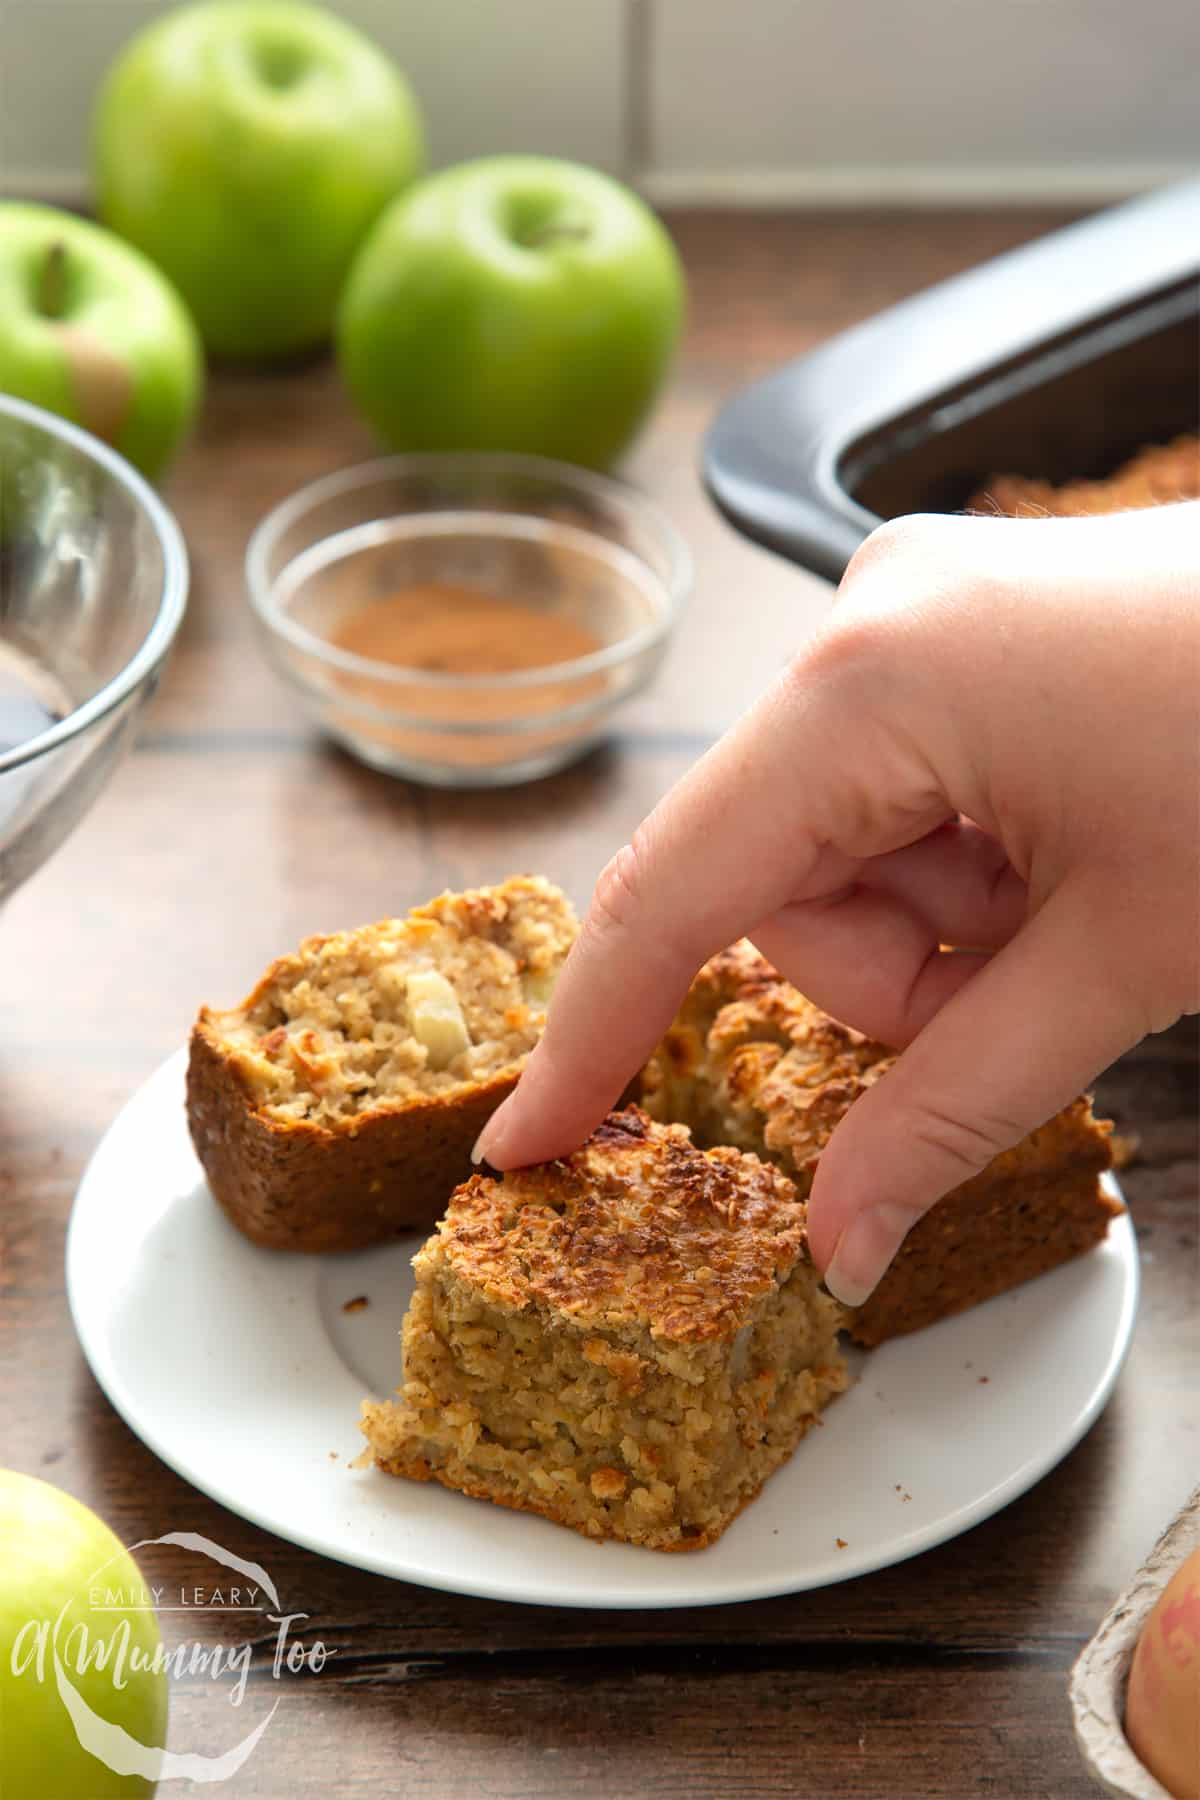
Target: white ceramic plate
x=242, y=1370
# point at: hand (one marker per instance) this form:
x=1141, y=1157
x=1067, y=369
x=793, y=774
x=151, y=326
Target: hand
x=994, y=743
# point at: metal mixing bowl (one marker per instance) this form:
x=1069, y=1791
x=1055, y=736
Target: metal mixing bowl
x=93, y=581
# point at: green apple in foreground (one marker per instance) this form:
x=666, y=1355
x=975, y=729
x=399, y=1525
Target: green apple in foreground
x=91, y=330
x=51, y=1547
x=515, y=303
x=246, y=146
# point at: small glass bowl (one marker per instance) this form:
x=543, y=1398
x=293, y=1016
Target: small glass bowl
x=556, y=539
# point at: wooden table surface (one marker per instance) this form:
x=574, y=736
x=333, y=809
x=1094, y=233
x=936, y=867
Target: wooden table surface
x=230, y=833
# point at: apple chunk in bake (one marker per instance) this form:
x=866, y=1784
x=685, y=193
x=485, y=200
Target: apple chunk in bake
x=337, y=1105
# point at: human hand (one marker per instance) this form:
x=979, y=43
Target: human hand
x=994, y=743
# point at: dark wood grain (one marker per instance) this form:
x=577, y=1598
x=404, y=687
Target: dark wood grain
x=232, y=831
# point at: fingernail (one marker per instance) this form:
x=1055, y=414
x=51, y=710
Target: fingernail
x=489, y=1139
x=863, y=1252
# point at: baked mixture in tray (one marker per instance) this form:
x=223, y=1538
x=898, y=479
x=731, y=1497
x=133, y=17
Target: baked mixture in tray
x=627, y=1341
x=749, y=1061
x=1154, y=477
x=337, y=1105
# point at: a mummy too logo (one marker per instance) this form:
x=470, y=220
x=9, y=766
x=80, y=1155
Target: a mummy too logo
x=105, y=1641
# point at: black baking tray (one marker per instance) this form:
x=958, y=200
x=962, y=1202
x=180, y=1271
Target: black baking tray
x=1057, y=360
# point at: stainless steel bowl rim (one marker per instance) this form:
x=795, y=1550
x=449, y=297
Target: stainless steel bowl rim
x=158, y=640
x=617, y=493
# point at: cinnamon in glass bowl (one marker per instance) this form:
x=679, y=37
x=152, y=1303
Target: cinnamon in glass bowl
x=466, y=620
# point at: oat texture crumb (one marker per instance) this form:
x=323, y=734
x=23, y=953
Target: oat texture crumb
x=627, y=1341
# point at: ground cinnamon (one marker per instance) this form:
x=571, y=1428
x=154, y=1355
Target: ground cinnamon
x=441, y=628
x=450, y=630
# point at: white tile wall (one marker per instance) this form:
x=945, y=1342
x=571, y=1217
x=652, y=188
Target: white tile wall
x=727, y=99
x=51, y=56
x=542, y=75
x=801, y=95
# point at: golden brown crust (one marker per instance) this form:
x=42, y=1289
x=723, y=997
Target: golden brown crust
x=636, y=1227
x=314, y=1174
x=749, y=1060
x=1156, y=476
x=474, y=912
x=295, y=1185
x=627, y=1341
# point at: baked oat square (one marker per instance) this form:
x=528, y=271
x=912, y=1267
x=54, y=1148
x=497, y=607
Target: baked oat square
x=750, y=1061
x=627, y=1341
x=337, y=1104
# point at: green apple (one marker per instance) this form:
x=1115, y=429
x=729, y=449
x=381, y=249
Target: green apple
x=246, y=146
x=91, y=330
x=57, y=1561
x=515, y=303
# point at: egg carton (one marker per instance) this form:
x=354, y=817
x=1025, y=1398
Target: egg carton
x=1099, y=1677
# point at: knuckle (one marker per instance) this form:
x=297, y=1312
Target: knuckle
x=925, y=567
x=617, y=899
x=907, y=611
x=893, y=543
x=965, y=1144
x=853, y=661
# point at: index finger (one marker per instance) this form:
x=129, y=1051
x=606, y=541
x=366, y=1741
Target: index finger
x=780, y=806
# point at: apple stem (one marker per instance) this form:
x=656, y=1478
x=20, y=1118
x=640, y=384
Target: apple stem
x=52, y=284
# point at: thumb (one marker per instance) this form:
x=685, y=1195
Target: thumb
x=1009, y=1050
